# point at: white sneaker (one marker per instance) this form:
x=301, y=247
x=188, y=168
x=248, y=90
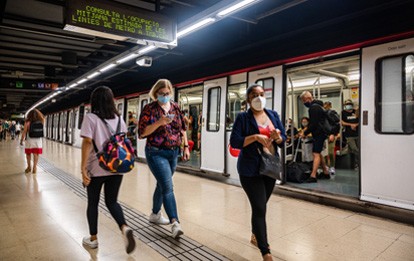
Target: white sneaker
x=158, y=219
x=176, y=230
x=128, y=239
x=88, y=242
x=332, y=170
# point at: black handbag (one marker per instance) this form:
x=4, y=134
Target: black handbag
x=270, y=164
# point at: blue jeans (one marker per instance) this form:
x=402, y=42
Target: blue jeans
x=162, y=163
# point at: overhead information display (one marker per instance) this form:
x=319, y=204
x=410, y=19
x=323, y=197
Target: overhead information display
x=121, y=20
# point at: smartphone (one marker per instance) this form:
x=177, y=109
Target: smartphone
x=171, y=116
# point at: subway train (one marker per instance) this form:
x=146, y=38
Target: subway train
x=377, y=76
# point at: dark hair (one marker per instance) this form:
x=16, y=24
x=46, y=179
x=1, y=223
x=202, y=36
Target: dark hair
x=35, y=115
x=251, y=87
x=102, y=103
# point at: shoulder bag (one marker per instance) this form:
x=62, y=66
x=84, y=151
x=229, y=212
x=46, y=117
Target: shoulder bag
x=270, y=164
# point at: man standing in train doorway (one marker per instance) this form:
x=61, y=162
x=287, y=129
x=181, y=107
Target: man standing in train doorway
x=316, y=116
x=350, y=121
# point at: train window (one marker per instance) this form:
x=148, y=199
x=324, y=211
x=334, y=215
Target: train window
x=268, y=88
x=213, y=109
x=143, y=103
x=394, y=101
x=236, y=103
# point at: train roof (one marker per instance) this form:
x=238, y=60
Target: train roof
x=35, y=48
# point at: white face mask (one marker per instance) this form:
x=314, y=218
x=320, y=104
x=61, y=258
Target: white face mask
x=349, y=107
x=258, y=103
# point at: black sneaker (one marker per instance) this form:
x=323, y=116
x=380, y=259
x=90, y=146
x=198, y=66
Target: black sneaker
x=324, y=176
x=311, y=180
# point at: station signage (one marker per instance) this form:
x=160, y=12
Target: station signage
x=120, y=20
x=26, y=84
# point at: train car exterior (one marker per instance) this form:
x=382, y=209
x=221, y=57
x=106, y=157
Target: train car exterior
x=378, y=79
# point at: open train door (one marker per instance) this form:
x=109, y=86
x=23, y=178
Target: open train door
x=143, y=100
x=213, y=125
x=387, y=124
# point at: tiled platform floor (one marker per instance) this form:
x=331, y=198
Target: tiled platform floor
x=42, y=219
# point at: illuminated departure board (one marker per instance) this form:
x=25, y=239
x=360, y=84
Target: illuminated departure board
x=121, y=20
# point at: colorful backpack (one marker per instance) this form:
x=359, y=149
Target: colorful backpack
x=117, y=155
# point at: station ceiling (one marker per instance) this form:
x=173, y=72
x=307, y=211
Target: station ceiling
x=35, y=49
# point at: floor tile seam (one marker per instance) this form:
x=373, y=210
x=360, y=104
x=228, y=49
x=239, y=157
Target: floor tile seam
x=376, y=234
x=388, y=247
x=381, y=226
x=50, y=168
x=319, y=249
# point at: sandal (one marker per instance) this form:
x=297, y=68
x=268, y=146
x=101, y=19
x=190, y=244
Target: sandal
x=34, y=170
x=253, y=240
x=27, y=170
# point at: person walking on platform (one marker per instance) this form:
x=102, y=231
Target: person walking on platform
x=33, y=134
x=257, y=127
x=316, y=118
x=95, y=132
x=163, y=124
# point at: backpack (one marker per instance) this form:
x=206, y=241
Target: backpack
x=334, y=121
x=331, y=123
x=117, y=155
x=36, y=129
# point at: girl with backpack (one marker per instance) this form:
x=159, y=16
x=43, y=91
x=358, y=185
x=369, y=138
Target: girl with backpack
x=95, y=131
x=33, y=134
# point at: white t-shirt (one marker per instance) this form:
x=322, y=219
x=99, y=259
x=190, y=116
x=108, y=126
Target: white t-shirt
x=94, y=128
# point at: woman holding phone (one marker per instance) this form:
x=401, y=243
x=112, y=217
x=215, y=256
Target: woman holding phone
x=162, y=123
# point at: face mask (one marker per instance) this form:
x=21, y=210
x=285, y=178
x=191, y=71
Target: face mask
x=304, y=124
x=349, y=107
x=307, y=104
x=186, y=114
x=258, y=103
x=163, y=99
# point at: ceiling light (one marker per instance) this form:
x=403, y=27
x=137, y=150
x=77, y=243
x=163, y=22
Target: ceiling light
x=235, y=7
x=82, y=81
x=127, y=58
x=93, y=32
x=195, y=26
x=106, y=68
x=73, y=85
x=146, y=49
x=93, y=75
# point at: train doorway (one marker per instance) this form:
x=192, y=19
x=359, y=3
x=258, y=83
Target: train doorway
x=190, y=101
x=333, y=82
x=132, y=120
x=143, y=100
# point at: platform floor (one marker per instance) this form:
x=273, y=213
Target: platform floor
x=42, y=217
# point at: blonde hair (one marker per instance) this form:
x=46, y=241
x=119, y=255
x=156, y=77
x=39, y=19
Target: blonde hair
x=160, y=84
